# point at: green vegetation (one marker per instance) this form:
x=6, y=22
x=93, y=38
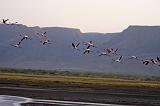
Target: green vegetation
x=30, y=77
x=80, y=74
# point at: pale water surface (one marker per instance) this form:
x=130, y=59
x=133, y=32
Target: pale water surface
x=7, y=100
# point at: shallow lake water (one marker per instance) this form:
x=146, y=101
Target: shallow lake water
x=7, y=100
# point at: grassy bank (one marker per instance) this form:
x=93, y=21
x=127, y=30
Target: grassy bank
x=80, y=74
x=40, y=77
x=78, y=86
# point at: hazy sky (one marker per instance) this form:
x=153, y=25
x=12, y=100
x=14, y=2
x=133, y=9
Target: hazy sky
x=87, y=15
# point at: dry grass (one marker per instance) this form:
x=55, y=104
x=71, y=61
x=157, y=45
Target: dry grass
x=75, y=80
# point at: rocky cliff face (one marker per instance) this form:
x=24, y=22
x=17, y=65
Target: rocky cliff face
x=142, y=41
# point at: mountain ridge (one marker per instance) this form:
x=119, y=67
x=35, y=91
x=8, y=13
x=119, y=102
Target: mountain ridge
x=61, y=55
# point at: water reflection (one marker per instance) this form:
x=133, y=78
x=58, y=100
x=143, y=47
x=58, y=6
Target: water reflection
x=6, y=100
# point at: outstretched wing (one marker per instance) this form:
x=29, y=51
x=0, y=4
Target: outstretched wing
x=120, y=58
x=108, y=50
x=19, y=43
x=22, y=39
x=158, y=59
x=4, y=21
x=84, y=52
x=88, y=47
x=73, y=45
x=77, y=44
x=146, y=62
x=116, y=50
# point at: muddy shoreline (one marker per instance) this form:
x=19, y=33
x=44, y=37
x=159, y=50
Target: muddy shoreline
x=109, y=95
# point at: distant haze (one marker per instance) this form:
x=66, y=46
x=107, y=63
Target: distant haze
x=141, y=41
x=87, y=15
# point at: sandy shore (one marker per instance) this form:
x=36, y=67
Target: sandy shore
x=109, y=95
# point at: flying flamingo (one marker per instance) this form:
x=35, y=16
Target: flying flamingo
x=119, y=60
x=87, y=50
x=112, y=51
x=75, y=46
x=4, y=21
x=16, y=45
x=90, y=44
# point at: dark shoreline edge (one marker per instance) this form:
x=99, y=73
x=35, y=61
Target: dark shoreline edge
x=67, y=86
x=108, y=95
